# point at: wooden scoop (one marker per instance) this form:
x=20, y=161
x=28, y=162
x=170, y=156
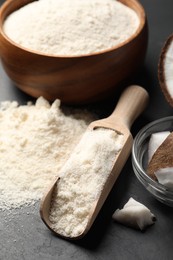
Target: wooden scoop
x=131, y=103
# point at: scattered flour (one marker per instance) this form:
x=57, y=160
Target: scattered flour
x=66, y=27
x=35, y=141
x=82, y=179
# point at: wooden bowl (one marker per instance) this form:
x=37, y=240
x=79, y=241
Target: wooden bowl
x=74, y=80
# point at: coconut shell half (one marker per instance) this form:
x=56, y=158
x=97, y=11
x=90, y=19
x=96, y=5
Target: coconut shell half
x=165, y=70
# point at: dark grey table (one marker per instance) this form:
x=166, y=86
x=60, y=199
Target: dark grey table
x=24, y=236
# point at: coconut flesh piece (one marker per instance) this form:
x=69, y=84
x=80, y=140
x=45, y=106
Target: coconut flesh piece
x=134, y=214
x=165, y=176
x=155, y=141
x=160, y=166
x=165, y=70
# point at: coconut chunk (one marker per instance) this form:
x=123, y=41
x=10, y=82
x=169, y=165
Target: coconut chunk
x=162, y=158
x=155, y=141
x=134, y=214
x=165, y=176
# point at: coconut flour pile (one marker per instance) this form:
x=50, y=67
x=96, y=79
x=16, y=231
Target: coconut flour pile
x=66, y=27
x=35, y=141
x=82, y=179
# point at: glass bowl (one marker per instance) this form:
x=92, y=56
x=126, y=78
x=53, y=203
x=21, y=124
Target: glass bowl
x=140, y=159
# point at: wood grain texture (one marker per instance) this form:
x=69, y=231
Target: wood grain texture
x=131, y=103
x=74, y=80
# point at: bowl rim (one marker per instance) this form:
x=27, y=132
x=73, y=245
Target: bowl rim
x=142, y=24
x=137, y=165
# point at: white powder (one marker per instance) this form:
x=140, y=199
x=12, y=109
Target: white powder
x=82, y=179
x=35, y=141
x=66, y=27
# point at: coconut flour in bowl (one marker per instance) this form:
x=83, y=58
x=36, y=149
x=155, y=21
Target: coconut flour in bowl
x=65, y=27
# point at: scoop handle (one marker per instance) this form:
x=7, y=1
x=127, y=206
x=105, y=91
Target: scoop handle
x=131, y=104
